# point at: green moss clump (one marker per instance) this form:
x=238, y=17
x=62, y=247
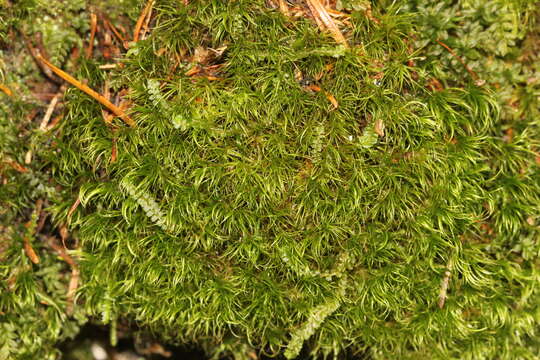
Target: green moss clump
x=246, y=211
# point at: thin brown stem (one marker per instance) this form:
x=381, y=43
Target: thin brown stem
x=472, y=73
x=75, y=273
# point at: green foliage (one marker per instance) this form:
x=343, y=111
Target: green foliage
x=249, y=213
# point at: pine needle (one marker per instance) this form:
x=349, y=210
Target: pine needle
x=332, y=99
x=29, y=250
x=284, y=8
x=140, y=21
x=93, y=29
x=116, y=33
x=50, y=109
x=6, y=90
x=320, y=12
x=472, y=73
x=101, y=99
x=75, y=273
x=74, y=207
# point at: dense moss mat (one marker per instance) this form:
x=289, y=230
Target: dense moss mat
x=281, y=192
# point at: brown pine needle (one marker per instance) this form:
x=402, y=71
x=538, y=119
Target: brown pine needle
x=72, y=288
x=379, y=127
x=29, y=250
x=74, y=281
x=332, y=99
x=101, y=99
x=320, y=12
x=93, y=29
x=114, y=151
x=284, y=8
x=73, y=207
x=116, y=33
x=317, y=19
x=472, y=73
x=145, y=28
x=193, y=71
x=55, y=122
x=15, y=165
x=140, y=20
x=6, y=90
x=45, y=122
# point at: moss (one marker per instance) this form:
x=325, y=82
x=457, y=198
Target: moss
x=295, y=193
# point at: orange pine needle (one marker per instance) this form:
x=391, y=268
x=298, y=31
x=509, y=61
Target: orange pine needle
x=29, y=250
x=320, y=12
x=332, y=99
x=101, y=99
x=93, y=29
x=6, y=90
x=114, y=151
x=145, y=28
x=193, y=71
x=73, y=207
x=16, y=166
x=116, y=33
x=140, y=20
